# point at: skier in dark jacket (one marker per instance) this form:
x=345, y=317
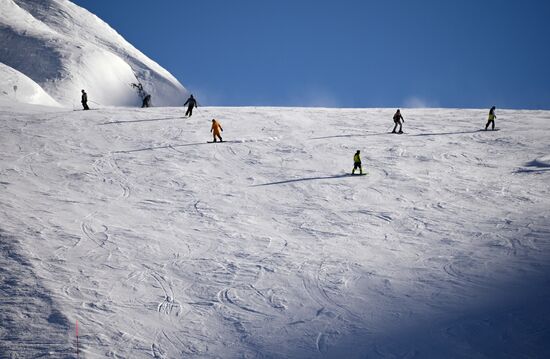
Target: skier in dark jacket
x=146, y=101
x=192, y=104
x=397, y=118
x=491, y=119
x=85, y=100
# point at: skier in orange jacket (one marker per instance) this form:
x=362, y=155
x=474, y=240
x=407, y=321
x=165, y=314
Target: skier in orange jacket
x=216, y=128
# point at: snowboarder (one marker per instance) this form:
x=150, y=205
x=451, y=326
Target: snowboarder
x=216, y=128
x=192, y=103
x=357, y=163
x=85, y=100
x=491, y=119
x=146, y=101
x=397, y=118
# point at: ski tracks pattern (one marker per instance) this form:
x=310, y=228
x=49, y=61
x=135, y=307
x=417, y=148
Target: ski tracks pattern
x=169, y=305
x=108, y=172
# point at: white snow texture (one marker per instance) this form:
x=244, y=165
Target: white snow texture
x=64, y=48
x=162, y=245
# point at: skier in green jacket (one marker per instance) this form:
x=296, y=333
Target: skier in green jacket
x=357, y=163
x=491, y=119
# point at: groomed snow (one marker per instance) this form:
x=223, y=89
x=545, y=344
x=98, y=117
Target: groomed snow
x=164, y=246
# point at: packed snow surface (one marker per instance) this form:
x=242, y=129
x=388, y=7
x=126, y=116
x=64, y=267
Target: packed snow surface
x=162, y=245
x=65, y=48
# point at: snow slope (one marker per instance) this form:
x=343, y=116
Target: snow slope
x=15, y=86
x=64, y=48
x=164, y=246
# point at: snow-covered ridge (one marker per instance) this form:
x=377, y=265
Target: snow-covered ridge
x=15, y=86
x=65, y=48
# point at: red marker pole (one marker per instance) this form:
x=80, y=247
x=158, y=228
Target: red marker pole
x=76, y=338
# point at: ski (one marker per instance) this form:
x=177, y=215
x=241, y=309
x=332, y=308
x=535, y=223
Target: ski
x=230, y=141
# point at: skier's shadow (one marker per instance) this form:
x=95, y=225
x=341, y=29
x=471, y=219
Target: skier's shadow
x=165, y=147
x=447, y=133
x=346, y=136
x=173, y=147
x=301, y=180
x=146, y=120
x=537, y=166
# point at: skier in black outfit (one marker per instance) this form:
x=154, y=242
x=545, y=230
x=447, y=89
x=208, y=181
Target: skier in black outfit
x=192, y=103
x=85, y=100
x=146, y=101
x=491, y=119
x=397, y=118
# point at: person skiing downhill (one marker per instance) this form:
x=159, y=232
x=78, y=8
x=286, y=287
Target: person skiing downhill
x=357, y=163
x=192, y=104
x=491, y=119
x=215, y=129
x=85, y=100
x=397, y=118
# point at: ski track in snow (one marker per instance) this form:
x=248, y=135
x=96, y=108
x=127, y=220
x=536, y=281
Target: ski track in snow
x=162, y=245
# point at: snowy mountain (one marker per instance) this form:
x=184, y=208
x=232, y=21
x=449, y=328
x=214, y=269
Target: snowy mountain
x=161, y=245
x=64, y=48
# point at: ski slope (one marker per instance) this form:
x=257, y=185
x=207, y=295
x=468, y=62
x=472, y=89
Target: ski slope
x=163, y=246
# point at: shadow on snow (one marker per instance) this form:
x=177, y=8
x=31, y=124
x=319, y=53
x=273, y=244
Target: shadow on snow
x=449, y=133
x=30, y=324
x=537, y=166
x=457, y=312
x=304, y=179
x=509, y=318
x=146, y=120
x=346, y=136
x=171, y=147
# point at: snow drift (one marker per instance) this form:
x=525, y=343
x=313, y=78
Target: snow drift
x=164, y=246
x=64, y=48
x=15, y=86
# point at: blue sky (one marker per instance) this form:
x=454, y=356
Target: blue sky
x=346, y=53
